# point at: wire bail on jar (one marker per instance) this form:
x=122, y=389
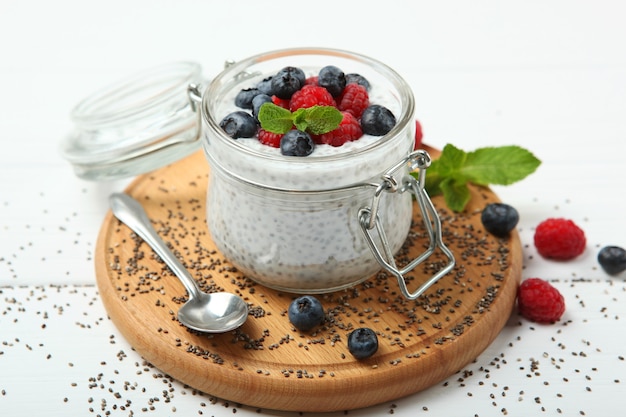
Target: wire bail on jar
x=370, y=221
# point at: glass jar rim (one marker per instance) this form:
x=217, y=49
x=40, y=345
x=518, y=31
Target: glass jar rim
x=145, y=90
x=406, y=115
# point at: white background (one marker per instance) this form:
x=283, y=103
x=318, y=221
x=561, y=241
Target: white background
x=546, y=75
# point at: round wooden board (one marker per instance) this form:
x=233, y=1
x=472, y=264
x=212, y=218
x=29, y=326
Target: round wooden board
x=269, y=364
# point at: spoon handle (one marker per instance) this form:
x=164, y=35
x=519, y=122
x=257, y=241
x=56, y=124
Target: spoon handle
x=130, y=212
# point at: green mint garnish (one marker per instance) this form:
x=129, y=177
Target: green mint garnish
x=455, y=168
x=316, y=120
x=275, y=119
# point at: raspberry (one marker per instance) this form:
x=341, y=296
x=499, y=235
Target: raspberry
x=309, y=96
x=539, y=301
x=418, y=135
x=311, y=80
x=280, y=102
x=354, y=99
x=560, y=239
x=348, y=130
x=270, y=138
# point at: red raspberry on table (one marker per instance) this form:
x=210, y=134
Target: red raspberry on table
x=270, y=138
x=539, y=301
x=309, y=96
x=418, y=135
x=354, y=99
x=349, y=129
x=559, y=238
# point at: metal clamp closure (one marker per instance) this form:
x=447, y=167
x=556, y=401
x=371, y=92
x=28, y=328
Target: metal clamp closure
x=369, y=219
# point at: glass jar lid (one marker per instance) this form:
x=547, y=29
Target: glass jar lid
x=137, y=124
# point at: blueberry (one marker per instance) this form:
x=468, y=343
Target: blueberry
x=265, y=86
x=244, y=97
x=333, y=79
x=499, y=218
x=362, y=343
x=612, y=259
x=377, y=120
x=358, y=79
x=239, y=124
x=296, y=143
x=257, y=102
x=305, y=313
x=287, y=81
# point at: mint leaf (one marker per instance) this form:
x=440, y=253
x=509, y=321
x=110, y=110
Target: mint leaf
x=322, y=119
x=316, y=120
x=503, y=166
x=275, y=119
x=455, y=168
x=455, y=193
x=299, y=118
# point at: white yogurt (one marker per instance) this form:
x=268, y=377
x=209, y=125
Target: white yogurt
x=292, y=222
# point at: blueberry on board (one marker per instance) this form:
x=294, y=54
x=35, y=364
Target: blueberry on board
x=333, y=79
x=287, y=81
x=362, y=343
x=377, y=120
x=265, y=86
x=354, y=78
x=305, y=313
x=296, y=143
x=257, y=102
x=239, y=124
x=244, y=98
x=499, y=218
x=612, y=259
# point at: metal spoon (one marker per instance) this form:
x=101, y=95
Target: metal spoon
x=210, y=313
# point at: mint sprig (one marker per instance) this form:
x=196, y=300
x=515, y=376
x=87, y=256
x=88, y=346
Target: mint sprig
x=316, y=120
x=455, y=168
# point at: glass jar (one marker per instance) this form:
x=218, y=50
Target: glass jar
x=309, y=224
x=135, y=125
x=301, y=224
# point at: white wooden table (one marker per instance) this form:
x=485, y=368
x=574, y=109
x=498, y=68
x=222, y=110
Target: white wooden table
x=549, y=76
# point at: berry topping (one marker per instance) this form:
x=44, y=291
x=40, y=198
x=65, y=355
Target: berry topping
x=348, y=130
x=539, y=301
x=612, y=259
x=377, y=120
x=362, y=343
x=309, y=96
x=317, y=104
x=284, y=103
x=354, y=99
x=560, y=239
x=265, y=86
x=499, y=218
x=239, y=124
x=270, y=138
x=257, y=102
x=287, y=81
x=296, y=143
x=305, y=313
x=357, y=79
x=333, y=79
x=245, y=96
x=418, y=135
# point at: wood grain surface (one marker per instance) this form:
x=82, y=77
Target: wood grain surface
x=269, y=364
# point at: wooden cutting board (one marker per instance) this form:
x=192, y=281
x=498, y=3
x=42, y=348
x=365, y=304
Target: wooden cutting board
x=267, y=363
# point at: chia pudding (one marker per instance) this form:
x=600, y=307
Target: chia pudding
x=292, y=223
